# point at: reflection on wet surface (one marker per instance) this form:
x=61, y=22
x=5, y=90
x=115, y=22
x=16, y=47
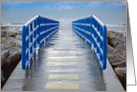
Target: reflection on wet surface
x=65, y=62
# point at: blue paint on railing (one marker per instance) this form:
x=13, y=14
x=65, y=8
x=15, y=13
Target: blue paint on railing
x=34, y=34
x=94, y=33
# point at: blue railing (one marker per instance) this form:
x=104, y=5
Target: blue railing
x=93, y=32
x=34, y=34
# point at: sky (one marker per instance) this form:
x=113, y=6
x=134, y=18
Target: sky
x=22, y=11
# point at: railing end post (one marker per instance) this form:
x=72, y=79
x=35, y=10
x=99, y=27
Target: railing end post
x=23, y=46
x=39, y=16
x=23, y=27
x=105, y=45
x=90, y=16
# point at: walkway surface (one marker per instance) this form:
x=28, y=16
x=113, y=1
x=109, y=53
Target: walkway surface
x=65, y=63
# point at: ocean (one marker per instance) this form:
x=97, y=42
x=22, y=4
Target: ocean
x=117, y=28
x=18, y=27
x=11, y=27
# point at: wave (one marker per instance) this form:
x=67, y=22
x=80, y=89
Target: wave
x=115, y=25
x=11, y=24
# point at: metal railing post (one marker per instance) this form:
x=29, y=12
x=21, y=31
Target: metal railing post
x=105, y=45
x=23, y=46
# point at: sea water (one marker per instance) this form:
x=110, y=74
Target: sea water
x=121, y=28
x=64, y=25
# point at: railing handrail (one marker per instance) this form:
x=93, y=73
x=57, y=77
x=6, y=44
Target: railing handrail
x=31, y=20
x=99, y=21
x=48, y=18
x=94, y=32
x=31, y=37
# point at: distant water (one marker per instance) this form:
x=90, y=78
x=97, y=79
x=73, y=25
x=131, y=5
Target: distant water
x=117, y=28
x=11, y=24
x=12, y=27
x=66, y=25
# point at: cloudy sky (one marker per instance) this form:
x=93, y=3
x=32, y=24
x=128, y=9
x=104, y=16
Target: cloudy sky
x=22, y=11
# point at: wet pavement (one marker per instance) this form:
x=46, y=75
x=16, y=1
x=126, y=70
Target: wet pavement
x=64, y=63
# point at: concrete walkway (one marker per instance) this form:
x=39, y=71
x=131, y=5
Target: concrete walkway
x=65, y=63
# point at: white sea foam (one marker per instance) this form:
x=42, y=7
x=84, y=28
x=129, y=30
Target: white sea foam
x=12, y=27
x=121, y=28
x=11, y=24
x=116, y=25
